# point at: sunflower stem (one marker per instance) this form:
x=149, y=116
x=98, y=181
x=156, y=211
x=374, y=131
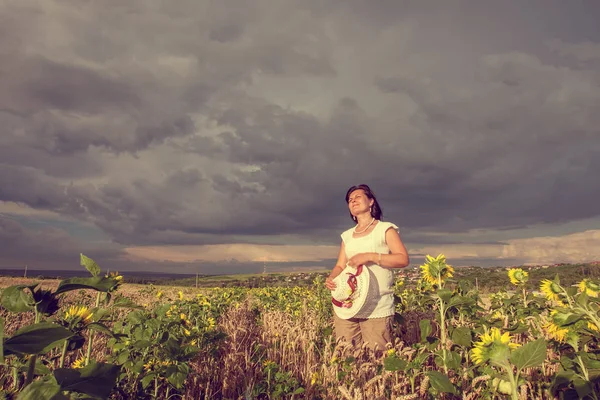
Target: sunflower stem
x=33, y=359
x=15, y=378
x=62, y=355
x=443, y=334
x=585, y=373
x=513, y=382
x=91, y=337
x=568, y=297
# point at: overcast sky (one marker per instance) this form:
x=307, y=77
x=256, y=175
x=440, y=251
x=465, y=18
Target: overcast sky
x=212, y=136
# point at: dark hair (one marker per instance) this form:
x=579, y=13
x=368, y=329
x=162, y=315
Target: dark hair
x=376, y=211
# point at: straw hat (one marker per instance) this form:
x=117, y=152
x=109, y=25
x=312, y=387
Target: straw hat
x=354, y=292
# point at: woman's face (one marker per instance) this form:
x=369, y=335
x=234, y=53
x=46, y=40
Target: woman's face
x=358, y=202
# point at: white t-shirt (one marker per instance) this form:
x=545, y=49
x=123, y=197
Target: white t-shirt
x=374, y=242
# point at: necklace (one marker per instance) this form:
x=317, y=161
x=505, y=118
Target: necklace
x=364, y=230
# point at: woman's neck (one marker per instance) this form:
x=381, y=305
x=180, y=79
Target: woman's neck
x=363, y=219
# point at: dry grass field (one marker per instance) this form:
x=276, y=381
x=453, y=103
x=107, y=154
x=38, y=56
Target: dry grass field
x=277, y=343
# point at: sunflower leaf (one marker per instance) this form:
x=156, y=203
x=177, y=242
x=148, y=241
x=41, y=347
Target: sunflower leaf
x=441, y=382
x=529, y=355
x=89, y=264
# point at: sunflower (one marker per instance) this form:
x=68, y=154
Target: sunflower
x=424, y=286
x=81, y=312
x=592, y=327
x=115, y=275
x=556, y=332
x=435, y=269
x=497, y=315
x=314, y=378
x=588, y=287
x=79, y=363
x=550, y=289
x=211, y=322
x=517, y=276
x=180, y=293
x=399, y=283
x=493, y=345
x=149, y=366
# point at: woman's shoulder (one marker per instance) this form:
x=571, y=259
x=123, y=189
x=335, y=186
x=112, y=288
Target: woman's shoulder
x=385, y=225
x=347, y=234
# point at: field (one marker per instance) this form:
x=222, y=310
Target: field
x=98, y=337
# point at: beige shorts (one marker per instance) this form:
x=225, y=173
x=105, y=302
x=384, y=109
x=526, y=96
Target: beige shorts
x=376, y=332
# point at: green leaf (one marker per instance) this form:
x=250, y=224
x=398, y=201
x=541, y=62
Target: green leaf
x=583, y=388
x=177, y=374
x=453, y=360
x=589, y=362
x=90, y=265
x=37, y=338
x=445, y=295
x=462, y=336
x=571, y=291
x=529, y=355
x=571, y=319
x=142, y=344
x=40, y=368
x=440, y=382
x=425, y=327
x=124, y=302
x=123, y=357
x=44, y=389
x=562, y=379
x=459, y=301
x=95, y=379
x=566, y=362
x=15, y=299
x=138, y=367
x=136, y=317
x=98, y=327
x=99, y=283
x=393, y=363
x=147, y=379
x=582, y=300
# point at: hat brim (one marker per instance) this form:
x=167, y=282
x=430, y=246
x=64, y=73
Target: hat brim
x=364, y=290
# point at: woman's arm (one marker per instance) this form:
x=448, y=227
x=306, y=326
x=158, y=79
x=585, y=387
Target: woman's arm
x=397, y=257
x=339, y=267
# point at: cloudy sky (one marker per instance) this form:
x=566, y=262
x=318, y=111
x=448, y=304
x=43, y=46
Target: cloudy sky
x=213, y=136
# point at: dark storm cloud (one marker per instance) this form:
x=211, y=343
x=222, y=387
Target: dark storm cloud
x=219, y=122
x=45, y=247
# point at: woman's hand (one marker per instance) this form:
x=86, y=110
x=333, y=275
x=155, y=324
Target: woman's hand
x=329, y=283
x=360, y=259
x=339, y=267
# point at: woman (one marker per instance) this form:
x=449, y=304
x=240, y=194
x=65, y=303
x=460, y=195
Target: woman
x=377, y=246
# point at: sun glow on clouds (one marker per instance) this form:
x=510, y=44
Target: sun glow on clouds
x=240, y=251
x=10, y=207
x=576, y=247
